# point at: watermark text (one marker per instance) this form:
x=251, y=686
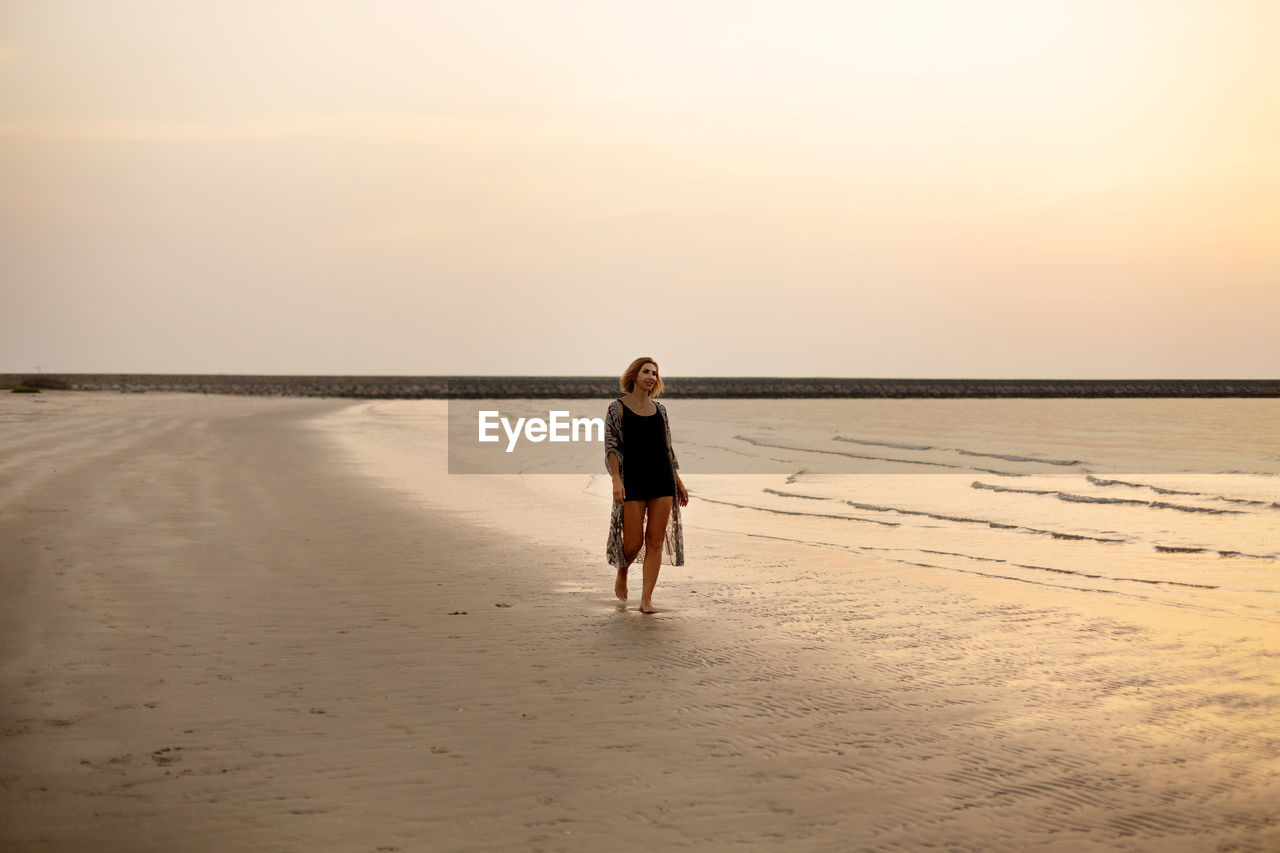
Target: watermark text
x=558, y=426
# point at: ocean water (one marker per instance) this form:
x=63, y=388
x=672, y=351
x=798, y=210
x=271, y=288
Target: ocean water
x=1172, y=502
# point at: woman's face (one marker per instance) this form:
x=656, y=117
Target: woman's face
x=647, y=378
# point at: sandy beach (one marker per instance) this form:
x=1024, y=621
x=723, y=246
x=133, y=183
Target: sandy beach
x=222, y=632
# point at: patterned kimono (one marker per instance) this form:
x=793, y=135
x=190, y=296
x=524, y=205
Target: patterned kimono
x=673, y=541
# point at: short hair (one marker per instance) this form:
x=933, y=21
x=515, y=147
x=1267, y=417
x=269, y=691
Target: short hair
x=628, y=380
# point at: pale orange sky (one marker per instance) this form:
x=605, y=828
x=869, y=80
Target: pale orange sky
x=979, y=189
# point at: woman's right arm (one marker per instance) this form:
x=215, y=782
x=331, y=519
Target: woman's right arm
x=612, y=449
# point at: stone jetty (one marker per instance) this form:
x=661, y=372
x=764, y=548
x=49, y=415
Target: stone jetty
x=570, y=387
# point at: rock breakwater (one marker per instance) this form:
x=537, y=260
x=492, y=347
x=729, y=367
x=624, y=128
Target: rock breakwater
x=570, y=387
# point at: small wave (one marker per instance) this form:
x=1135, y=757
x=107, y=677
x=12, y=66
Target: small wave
x=794, y=495
x=966, y=556
x=1153, y=581
x=960, y=450
x=1088, y=499
x=1091, y=499
x=1186, y=605
x=1232, y=554
x=1068, y=572
x=1177, y=549
x=998, y=525
x=1181, y=508
x=1011, y=458
x=994, y=471
x=737, y=452
x=758, y=443
x=1090, y=575
x=991, y=488
x=885, y=444
x=1037, y=582
x=805, y=514
x=1098, y=481
x=1160, y=490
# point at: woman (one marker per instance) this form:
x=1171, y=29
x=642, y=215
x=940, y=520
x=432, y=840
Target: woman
x=646, y=485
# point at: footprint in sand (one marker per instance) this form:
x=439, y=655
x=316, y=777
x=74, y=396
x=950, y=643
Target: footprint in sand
x=165, y=757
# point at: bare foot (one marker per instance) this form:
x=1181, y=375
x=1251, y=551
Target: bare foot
x=620, y=585
x=647, y=607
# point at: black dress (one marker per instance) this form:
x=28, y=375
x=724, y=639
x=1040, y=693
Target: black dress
x=646, y=473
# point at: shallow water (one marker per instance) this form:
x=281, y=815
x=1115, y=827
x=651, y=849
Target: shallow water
x=1173, y=501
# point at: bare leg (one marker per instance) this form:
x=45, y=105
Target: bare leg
x=655, y=533
x=632, y=537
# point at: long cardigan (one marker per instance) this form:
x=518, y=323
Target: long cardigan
x=673, y=541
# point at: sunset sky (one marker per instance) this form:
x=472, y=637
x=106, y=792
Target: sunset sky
x=1075, y=189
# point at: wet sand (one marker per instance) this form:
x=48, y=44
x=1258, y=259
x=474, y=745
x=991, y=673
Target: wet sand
x=219, y=633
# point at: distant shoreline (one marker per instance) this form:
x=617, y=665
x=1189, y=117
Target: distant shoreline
x=585, y=387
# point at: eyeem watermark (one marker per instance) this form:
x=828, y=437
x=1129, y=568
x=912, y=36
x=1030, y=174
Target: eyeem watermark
x=558, y=426
x=527, y=436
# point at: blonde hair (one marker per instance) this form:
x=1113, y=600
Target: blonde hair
x=628, y=380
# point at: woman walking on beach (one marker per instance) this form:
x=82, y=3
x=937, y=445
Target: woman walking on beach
x=646, y=486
